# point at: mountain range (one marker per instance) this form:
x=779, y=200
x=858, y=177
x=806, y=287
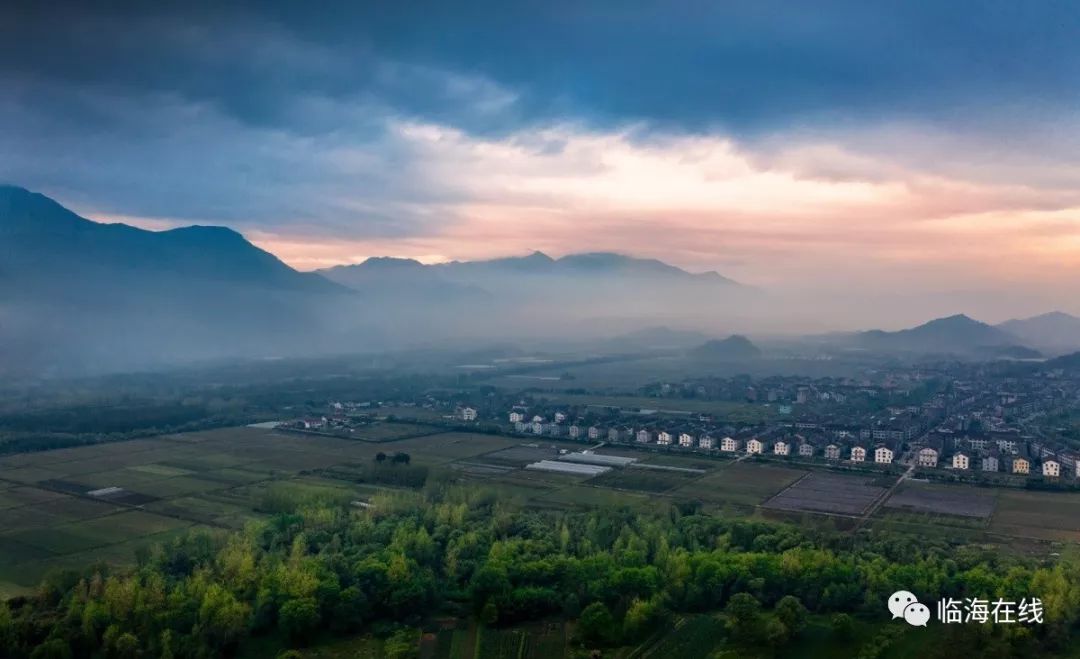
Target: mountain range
x=1028, y=338
x=82, y=296
x=534, y=278
x=78, y=295
x=1053, y=332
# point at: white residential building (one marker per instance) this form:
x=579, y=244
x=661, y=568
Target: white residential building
x=538, y=427
x=754, y=446
x=1021, y=466
x=644, y=436
x=664, y=439
x=594, y=432
x=989, y=463
x=706, y=442
x=728, y=444
x=560, y=417
x=781, y=448
x=686, y=440
x=960, y=461
x=832, y=452
x=468, y=414
x=806, y=450
x=858, y=454
x=521, y=426
x=516, y=417
x=575, y=431
x=883, y=455
x=1007, y=446
x=926, y=457
x=1051, y=468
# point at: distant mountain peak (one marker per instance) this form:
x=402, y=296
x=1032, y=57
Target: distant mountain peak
x=206, y=233
x=1055, y=331
x=389, y=262
x=958, y=333
x=734, y=348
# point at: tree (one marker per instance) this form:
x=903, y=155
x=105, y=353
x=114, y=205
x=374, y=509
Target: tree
x=351, y=609
x=299, y=618
x=792, y=613
x=596, y=624
x=402, y=644
x=843, y=627
x=222, y=620
x=744, y=622
x=166, y=644
x=401, y=458
x=641, y=618
x=126, y=646
x=380, y=457
x=773, y=632
x=54, y=648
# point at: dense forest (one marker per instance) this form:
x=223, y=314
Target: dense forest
x=323, y=567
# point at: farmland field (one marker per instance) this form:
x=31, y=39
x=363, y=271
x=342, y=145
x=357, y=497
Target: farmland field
x=1045, y=515
x=959, y=500
x=741, y=483
x=644, y=480
x=51, y=513
x=102, y=502
x=829, y=493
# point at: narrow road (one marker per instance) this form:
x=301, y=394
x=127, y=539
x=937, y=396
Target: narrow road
x=873, y=508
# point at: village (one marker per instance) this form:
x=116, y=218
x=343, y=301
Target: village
x=946, y=422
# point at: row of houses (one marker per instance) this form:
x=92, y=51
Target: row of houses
x=1014, y=464
x=880, y=454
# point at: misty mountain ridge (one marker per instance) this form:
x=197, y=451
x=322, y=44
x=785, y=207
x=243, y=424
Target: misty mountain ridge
x=535, y=293
x=536, y=263
x=42, y=240
x=1056, y=331
x=81, y=295
x=957, y=334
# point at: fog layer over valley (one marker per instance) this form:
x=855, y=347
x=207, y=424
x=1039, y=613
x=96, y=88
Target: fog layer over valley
x=78, y=296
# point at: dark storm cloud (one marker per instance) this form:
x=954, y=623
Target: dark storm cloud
x=742, y=66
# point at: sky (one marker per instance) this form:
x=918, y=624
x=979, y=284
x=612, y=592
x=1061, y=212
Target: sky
x=926, y=149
